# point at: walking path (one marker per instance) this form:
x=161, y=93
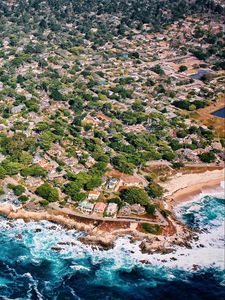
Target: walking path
x=70, y=212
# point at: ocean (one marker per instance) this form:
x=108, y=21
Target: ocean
x=42, y=260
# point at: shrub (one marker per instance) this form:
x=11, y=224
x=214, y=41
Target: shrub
x=151, y=228
x=154, y=190
x=23, y=198
x=182, y=68
x=165, y=213
x=44, y=202
x=150, y=209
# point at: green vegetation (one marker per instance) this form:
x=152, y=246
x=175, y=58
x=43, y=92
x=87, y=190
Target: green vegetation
x=134, y=195
x=89, y=89
x=47, y=192
x=207, y=157
x=34, y=170
x=154, y=190
x=151, y=228
x=17, y=189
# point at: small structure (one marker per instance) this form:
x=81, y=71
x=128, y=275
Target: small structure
x=111, y=209
x=93, y=195
x=17, y=109
x=86, y=206
x=31, y=206
x=90, y=162
x=100, y=207
x=125, y=210
x=112, y=183
x=137, y=209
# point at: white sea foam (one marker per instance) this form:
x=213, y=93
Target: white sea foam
x=207, y=252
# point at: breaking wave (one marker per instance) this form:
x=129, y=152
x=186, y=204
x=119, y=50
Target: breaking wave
x=41, y=260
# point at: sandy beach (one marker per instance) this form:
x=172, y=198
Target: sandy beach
x=179, y=189
x=182, y=187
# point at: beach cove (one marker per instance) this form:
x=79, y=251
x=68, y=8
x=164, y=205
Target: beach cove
x=180, y=188
x=42, y=260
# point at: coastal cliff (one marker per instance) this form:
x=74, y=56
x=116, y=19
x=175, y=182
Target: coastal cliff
x=103, y=234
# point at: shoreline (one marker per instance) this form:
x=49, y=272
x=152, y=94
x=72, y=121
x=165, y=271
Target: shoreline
x=186, y=186
x=102, y=234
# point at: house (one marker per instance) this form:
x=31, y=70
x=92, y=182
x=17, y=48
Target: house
x=111, y=209
x=137, y=209
x=45, y=165
x=31, y=206
x=112, y=183
x=93, y=195
x=100, y=207
x=17, y=109
x=90, y=162
x=125, y=210
x=56, y=149
x=86, y=206
x=133, y=181
x=32, y=182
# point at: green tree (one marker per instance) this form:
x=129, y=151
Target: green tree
x=94, y=182
x=154, y=190
x=48, y=192
x=12, y=168
x=182, y=68
x=25, y=158
x=2, y=172
x=134, y=195
x=120, y=162
x=207, y=157
x=18, y=190
x=34, y=170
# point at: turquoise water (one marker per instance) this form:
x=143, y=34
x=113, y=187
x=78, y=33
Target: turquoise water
x=44, y=261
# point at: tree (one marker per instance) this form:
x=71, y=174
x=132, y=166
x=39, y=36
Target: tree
x=178, y=165
x=158, y=70
x=120, y=162
x=25, y=158
x=150, y=209
x=2, y=172
x=154, y=190
x=169, y=155
x=34, y=170
x=207, y=157
x=12, y=168
x=46, y=139
x=134, y=195
x=94, y=182
x=72, y=188
x=23, y=198
x=18, y=190
x=48, y=192
x=182, y=68
x=56, y=95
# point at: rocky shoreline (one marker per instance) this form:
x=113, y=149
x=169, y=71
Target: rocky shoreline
x=104, y=235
